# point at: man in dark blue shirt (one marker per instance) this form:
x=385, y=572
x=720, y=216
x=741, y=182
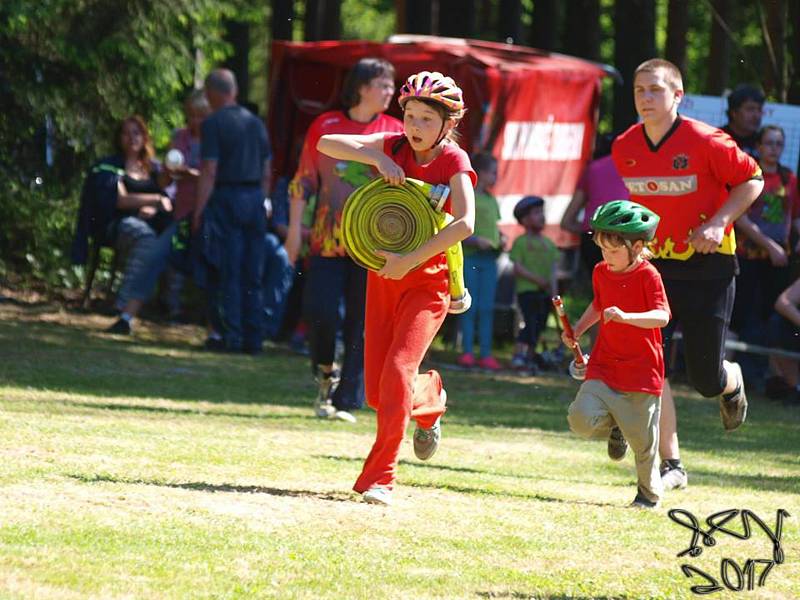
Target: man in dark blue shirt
x=234, y=179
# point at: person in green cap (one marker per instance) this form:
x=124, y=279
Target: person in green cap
x=620, y=399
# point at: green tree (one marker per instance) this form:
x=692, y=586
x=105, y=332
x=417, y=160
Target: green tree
x=69, y=71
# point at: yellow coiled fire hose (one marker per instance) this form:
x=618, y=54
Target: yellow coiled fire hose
x=399, y=219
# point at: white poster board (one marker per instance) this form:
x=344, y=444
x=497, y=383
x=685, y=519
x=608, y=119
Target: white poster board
x=711, y=110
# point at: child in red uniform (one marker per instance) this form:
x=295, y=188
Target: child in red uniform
x=407, y=299
x=620, y=398
x=699, y=182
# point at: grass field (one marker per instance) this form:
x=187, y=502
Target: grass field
x=142, y=468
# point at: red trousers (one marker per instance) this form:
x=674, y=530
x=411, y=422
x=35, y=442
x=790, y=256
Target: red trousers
x=402, y=318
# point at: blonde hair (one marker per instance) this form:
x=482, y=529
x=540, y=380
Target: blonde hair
x=671, y=73
x=615, y=240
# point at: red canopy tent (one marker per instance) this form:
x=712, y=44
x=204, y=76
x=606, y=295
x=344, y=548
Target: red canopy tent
x=536, y=112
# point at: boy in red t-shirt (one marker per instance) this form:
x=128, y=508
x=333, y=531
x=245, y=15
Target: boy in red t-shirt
x=620, y=400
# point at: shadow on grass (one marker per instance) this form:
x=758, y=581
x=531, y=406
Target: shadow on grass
x=200, y=486
x=469, y=470
x=176, y=410
x=476, y=491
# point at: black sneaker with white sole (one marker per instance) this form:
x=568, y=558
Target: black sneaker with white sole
x=733, y=406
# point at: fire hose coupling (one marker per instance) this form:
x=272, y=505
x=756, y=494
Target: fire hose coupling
x=399, y=219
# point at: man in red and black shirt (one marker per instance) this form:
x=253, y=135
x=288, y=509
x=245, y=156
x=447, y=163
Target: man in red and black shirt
x=698, y=181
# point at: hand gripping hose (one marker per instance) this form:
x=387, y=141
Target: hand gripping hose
x=399, y=219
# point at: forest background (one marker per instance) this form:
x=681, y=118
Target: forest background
x=71, y=69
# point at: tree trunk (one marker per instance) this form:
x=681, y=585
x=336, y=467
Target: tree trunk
x=486, y=21
x=282, y=19
x=719, y=58
x=582, y=33
x=457, y=18
x=509, y=21
x=794, y=49
x=331, y=26
x=634, y=43
x=323, y=20
x=777, y=76
x=677, y=27
x=237, y=34
x=545, y=25
x=415, y=16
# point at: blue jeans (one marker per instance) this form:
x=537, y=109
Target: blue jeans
x=278, y=278
x=147, y=261
x=480, y=276
x=235, y=285
x=329, y=282
x=535, y=308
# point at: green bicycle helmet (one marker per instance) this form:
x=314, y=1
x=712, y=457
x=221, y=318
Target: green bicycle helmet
x=628, y=219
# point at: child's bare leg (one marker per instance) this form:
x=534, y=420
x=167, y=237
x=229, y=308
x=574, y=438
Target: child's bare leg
x=668, y=441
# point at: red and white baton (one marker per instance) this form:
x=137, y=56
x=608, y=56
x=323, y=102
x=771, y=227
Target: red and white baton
x=577, y=367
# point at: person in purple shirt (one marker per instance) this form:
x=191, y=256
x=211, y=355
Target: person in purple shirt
x=600, y=183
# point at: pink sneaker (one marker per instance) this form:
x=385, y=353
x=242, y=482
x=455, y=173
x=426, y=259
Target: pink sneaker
x=490, y=362
x=466, y=360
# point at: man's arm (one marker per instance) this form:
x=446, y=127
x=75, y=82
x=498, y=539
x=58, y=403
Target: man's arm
x=205, y=185
x=708, y=236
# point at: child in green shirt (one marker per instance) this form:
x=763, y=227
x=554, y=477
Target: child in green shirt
x=535, y=258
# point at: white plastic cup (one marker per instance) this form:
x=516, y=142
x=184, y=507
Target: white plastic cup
x=174, y=159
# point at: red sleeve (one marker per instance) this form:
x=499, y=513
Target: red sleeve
x=727, y=162
x=305, y=182
x=655, y=292
x=615, y=155
x=459, y=163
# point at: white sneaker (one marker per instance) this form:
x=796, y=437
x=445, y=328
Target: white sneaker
x=378, y=495
x=343, y=415
x=324, y=409
x=733, y=410
x=673, y=478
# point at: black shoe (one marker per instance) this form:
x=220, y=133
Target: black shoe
x=641, y=501
x=617, y=444
x=120, y=327
x=214, y=345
